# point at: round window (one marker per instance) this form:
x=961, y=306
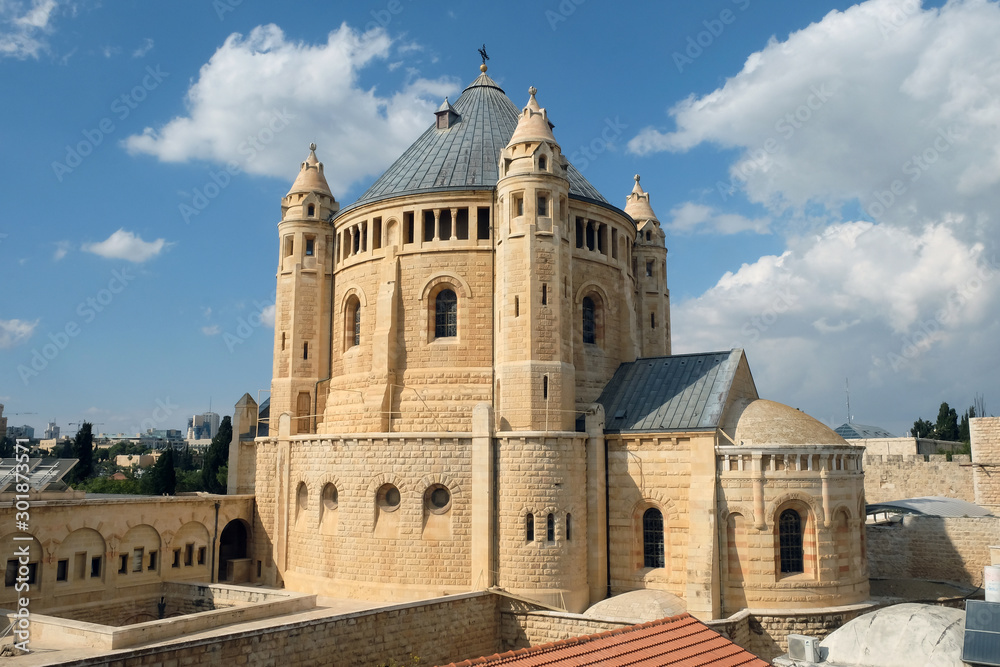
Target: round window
x=438, y=499
x=330, y=497
x=388, y=498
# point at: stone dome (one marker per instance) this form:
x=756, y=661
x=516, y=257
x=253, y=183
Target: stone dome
x=638, y=607
x=768, y=424
x=904, y=635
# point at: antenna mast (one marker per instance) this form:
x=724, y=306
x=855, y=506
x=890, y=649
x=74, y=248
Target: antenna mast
x=847, y=384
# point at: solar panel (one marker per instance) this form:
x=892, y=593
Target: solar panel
x=982, y=633
x=41, y=473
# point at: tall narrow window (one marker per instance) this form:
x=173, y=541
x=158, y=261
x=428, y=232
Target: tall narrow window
x=589, y=326
x=357, y=324
x=545, y=387
x=312, y=210
x=529, y=528
x=543, y=164
x=652, y=538
x=543, y=206
x=310, y=246
x=569, y=526
x=649, y=269
x=446, y=314
x=517, y=307
x=282, y=341
x=790, y=542
x=550, y=528
x=305, y=350
x=652, y=320
x=545, y=294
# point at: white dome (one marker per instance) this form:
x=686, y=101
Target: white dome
x=903, y=635
x=638, y=607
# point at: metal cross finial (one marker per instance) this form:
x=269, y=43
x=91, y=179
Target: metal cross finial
x=482, y=53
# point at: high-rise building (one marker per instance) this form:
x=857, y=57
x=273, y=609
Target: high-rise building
x=51, y=431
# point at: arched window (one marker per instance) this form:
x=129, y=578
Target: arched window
x=312, y=210
x=529, y=528
x=542, y=163
x=652, y=538
x=550, y=528
x=790, y=542
x=589, y=321
x=446, y=314
x=352, y=322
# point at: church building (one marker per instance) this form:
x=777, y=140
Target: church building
x=473, y=387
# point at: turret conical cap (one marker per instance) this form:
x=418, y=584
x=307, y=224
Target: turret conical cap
x=311, y=178
x=637, y=204
x=533, y=124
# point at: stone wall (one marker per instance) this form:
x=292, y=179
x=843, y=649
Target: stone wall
x=342, y=539
x=895, y=477
x=769, y=630
x=933, y=548
x=107, y=549
x=520, y=628
x=985, y=432
x=438, y=632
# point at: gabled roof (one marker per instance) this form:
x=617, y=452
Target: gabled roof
x=679, y=641
x=466, y=155
x=860, y=432
x=683, y=392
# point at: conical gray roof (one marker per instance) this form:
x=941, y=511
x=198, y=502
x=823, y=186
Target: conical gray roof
x=465, y=155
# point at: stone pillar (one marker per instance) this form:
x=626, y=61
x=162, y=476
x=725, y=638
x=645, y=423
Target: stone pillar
x=454, y=225
x=703, y=581
x=437, y=224
x=483, y=499
x=597, y=506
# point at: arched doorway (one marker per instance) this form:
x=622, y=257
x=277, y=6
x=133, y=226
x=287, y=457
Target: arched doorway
x=233, y=548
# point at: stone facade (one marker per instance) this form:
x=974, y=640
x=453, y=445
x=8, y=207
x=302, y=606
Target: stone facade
x=954, y=549
x=985, y=432
x=896, y=476
x=103, y=551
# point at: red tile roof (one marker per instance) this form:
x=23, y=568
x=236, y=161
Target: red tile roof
x=678, y=641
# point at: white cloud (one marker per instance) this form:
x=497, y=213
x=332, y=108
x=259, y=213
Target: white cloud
x=882, y=93
x=23, y=27
x=213, y=330
x=128, y=246
x=147, y=46
x=62, y=249
x=13, y=332
x=691, y=217
x=907, y=314
x=285, y=94
x=267, y=315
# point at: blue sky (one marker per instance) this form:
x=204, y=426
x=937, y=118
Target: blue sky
x=827, y=175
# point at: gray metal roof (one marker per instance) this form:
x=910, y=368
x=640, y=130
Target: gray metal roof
x=861, y=432
x=678, y=393
x=464, y=156
x=929, y=506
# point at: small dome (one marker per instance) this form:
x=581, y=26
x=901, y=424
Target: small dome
x=637, y=204
x=768, y=424
x=904, y=635
x=638, y=607
x=311, y=178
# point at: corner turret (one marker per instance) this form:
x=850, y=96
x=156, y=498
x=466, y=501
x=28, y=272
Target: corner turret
x=653, y=296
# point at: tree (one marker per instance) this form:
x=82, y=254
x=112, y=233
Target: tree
x=922, y=428
x=963, y=425
x=163, y=476
x=946, y=427
x=83, y=450
x=216, y=458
